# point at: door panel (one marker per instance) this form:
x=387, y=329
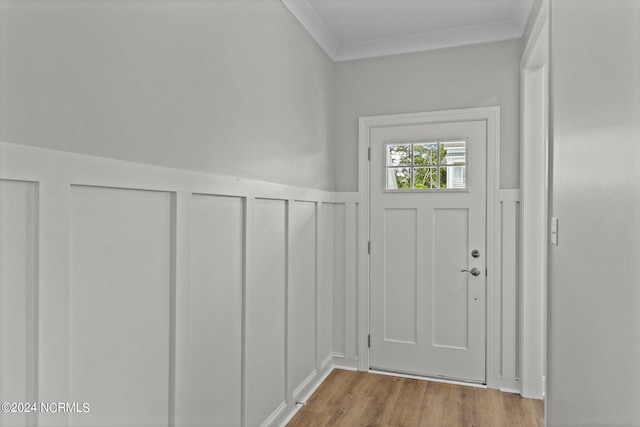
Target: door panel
x=428, y=200
x=450, y=288
x=400, y=281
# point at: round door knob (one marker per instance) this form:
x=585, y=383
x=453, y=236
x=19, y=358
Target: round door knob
x=474, y=271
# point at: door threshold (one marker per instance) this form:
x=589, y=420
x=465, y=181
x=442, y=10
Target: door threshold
x=428, y=378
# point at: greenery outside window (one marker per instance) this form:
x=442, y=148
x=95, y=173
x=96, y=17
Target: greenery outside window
x=426, y=166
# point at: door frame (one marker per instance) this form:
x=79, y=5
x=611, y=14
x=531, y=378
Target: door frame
x=491, y=116
x=534, y=213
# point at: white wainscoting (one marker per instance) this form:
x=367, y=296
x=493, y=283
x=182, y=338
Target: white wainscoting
x=18, y=304
x=505, y=335
x=166, y=297
x=507, y=367
x=266, y=308
x=119, y=305
x=203, y=299
x=217, y=250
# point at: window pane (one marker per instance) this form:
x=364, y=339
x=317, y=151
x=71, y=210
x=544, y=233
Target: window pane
x=426, y=178
x=426, y=154
x=454, y=177
x=398, y=178
x=443, y=172
x=454, y=153
x=399, y=155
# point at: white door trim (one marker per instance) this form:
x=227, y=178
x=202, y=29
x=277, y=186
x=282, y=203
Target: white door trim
x=491, y=115
x=534, y=155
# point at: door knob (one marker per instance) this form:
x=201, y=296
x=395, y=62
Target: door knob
x=474, y=271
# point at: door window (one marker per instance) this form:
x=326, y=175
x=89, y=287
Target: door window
x=426, y=166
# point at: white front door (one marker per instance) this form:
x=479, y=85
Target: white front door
x=427, y=225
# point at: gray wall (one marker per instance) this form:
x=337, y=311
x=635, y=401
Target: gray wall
x=473, y=76
x=594, y=340
x=229, y=86
x=535, y=8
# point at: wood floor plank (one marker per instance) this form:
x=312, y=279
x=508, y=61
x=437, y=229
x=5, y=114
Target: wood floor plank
x=492, y=411
x=435, y=404
x=409, y=406
x=386, y=395
x=359, y=399
x=308, y=418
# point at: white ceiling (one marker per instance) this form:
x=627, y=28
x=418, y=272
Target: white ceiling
x=355, y=29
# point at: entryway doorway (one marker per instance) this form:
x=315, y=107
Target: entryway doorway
x=428, y=249
x=430, y=182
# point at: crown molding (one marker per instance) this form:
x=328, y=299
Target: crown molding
x=457, y=37
x=428, y=41
x=315, y=26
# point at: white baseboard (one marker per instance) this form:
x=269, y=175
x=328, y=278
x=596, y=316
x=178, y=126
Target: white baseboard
x=326, y=362
x=340, y=362
x=508, y=385
x=275, y=415
x=301, y=394
x=297, y=392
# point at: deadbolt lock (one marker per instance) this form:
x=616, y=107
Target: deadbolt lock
x=475, y=253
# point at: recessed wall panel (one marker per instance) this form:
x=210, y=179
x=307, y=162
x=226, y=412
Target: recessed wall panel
x=339, y=271
x=217, y=243
x=450, y=285
x=325, y=280
x=400, y=275
x=265, y=312
x=119, y=306
x=17, y=289
x=509, y=293
x=302, y=293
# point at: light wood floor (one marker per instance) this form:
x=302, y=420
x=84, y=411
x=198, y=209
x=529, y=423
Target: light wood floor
x=354, y=399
